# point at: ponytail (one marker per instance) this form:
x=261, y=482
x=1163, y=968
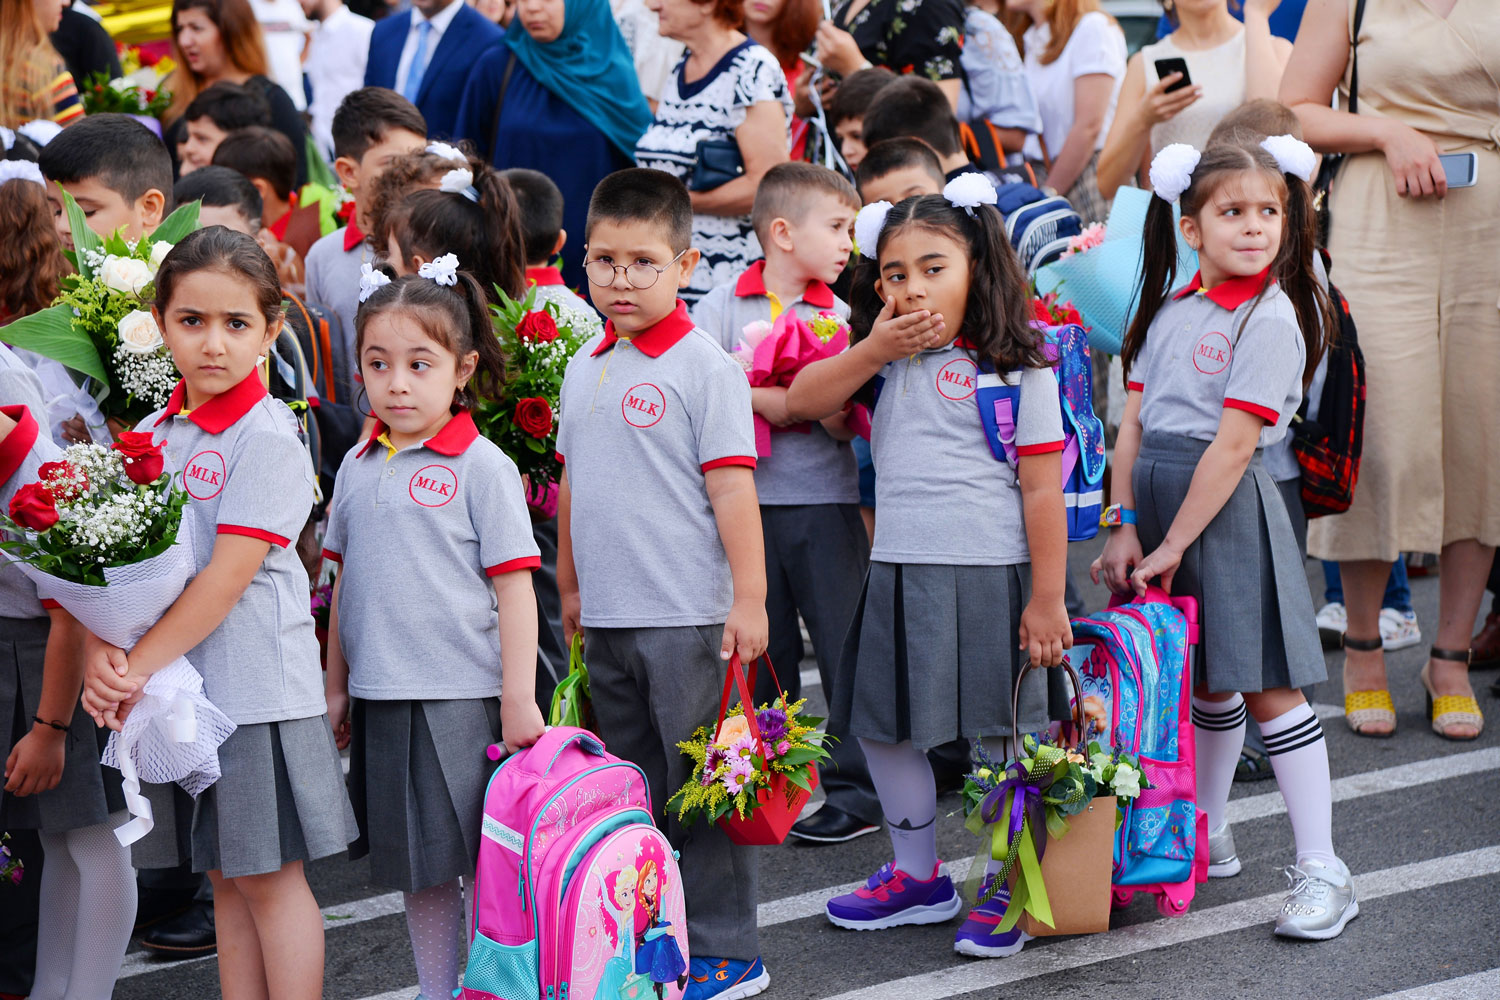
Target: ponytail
x=489, y=375
x=1297, y=274
x=1158, y=275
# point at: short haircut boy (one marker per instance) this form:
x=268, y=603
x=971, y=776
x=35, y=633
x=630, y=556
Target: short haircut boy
x=541, y=205
x=640, y=194
x=230, y=106
x=852, y=99
x=897, y=154
x=367, y=116
x=260, y=153
x=916, y=107
x=116, y=150
x=787, y=192
x=1255, y=120
x=220, y=187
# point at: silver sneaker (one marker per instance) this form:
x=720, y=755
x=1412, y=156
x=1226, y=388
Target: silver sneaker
x=1223, y=862
x=1320, y=904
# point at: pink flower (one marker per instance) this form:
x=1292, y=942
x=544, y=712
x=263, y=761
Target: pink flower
x=783, y=748
x=740, y=773
x=1092, y=236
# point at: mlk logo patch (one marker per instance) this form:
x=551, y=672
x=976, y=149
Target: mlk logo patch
x=1212, y=353
x=643, y=405
x=203, y=476
x=433, y=486
x=958, y=379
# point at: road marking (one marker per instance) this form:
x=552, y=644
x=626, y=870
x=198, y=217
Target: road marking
x=1122, y=942
x=1479, y=986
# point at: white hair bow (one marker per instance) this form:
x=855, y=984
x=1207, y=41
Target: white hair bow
x=21, y=170
x=1172, y=171
x=447, y=152
x=460, y=181
x=867, y=226
x=371, y=281
x=444, y=270
x=970, y=190
x=1292, y=155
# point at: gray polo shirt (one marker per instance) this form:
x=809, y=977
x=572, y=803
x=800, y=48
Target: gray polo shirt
x=22, y=453
x=1210, y=351
x=942, y=495
x=333, y=265
x=239, y=459
x=803, y=468
x=642, y=421
x=420, y=533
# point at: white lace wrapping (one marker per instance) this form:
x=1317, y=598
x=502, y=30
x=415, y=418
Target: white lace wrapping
x=173, y=733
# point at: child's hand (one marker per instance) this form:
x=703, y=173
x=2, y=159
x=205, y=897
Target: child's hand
x=895, y=337
x=36, y=763
x=521, y=723
x=1045, y=632
x=338, y=717
x=107, y=684
x=746, y=631
x=572, y=615
x=1163, y=562
x=770, y=402
x=1122, y=552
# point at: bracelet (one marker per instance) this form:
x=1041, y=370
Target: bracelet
x=54, y=725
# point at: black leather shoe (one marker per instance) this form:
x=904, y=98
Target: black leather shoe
x=156, y=905
x=832, y=826
x=189, y=933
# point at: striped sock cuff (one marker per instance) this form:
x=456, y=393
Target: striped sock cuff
x=1300, y=734
x=1219, y=722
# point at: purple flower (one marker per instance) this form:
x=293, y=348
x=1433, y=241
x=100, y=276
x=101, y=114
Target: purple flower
x=716, y=756
x=772, y=725
x=15, y=876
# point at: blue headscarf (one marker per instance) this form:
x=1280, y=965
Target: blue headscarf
x=589, y=66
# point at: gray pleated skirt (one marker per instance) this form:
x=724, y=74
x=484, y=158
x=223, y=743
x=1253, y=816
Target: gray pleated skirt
x=932, y=656
x=417, y=776
x=281, y=799
x=88, y=791
x=1255, y=608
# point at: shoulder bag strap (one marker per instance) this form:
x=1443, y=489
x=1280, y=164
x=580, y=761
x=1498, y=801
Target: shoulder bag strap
x=510, y=67
x=1359, y=18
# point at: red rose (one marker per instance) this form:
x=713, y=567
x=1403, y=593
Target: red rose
x=534, y=415
x=33, y=507
x=537, y=327
x=58, y=478
x=143, y=456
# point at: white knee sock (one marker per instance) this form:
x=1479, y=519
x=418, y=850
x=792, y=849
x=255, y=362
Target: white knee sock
x=908, y=797
x=435, y=922
x=57, y=921
x=1220, y=735
x=88, y=911
x=1299, y=756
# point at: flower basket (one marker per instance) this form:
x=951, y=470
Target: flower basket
x=779, y=803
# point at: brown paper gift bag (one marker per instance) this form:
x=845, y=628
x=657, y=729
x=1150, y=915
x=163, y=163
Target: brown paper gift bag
x=1077, y=871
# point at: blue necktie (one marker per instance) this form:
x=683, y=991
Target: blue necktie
x=418, y=67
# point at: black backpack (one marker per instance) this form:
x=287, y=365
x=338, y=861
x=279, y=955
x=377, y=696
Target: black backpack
x=1328, y=449
x=335, y=422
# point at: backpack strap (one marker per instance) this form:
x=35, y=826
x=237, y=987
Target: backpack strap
x=322, y=349
x=494, y=143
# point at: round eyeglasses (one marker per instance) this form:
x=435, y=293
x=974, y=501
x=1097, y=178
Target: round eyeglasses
x=640, y=274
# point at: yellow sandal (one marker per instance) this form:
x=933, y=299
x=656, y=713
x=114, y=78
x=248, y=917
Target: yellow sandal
x=1446, y=711
x=1366, y=708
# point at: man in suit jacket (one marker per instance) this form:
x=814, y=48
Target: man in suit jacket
x=425, y=55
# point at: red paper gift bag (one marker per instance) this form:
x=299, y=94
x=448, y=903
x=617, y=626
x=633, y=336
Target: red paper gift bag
x=782, y=802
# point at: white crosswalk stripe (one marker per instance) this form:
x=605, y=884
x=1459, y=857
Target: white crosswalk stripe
x=1479, y=986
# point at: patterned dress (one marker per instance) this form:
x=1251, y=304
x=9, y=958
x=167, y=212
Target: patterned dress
x=712, y=108
x=908, y=36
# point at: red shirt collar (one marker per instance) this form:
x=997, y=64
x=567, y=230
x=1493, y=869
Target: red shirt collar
x=18, y=443
x=753, y=282
x=1230, y=294
x=453, y=440
x=278, y=228
x=220, y=413
x=353, y=236
x=544, y=276
x=658, y=339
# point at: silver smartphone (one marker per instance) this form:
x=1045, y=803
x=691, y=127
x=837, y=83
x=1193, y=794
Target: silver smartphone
x=1461, y=169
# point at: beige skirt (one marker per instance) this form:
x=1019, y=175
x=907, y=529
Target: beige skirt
x=1422, y=277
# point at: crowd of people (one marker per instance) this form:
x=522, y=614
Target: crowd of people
x=668, y=173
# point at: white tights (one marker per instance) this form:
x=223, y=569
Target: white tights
x=435, y=923
x=87, y=913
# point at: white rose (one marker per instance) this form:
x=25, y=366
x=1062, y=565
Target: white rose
x=139, y=333
x=125, y=274
x=159, y=253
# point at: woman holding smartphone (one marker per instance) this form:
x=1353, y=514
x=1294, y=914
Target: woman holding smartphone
x=1213, y=64
x=1418, y=260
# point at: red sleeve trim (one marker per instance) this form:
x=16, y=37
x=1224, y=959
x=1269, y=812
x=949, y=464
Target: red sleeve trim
x=50, y=604
x=261, y=533
x=1039, y=449
x=1135, y=387
x=514, y=565
x=748, y=461
x=335, y=556
x=1267, y=414
x=18, y=443
x=560, y=459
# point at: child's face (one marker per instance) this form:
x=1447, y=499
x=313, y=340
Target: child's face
x=851, y=141
x=105, y=209
x=899, y=185
x=215, y=330
x=1237, y=232
x=820, y=241
x=200, y=139
x=410, y=378
x=925, y=269
x=623, y=244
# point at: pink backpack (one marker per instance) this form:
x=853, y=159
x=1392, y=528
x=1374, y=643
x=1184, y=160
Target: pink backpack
x=577, y=893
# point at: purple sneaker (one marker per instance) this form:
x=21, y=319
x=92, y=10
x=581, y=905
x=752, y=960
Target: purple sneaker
x=893, y=898
x=977, y=936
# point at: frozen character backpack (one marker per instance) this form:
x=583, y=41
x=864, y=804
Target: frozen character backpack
x=577, y=895
x=999, y=399
x=1134, y=661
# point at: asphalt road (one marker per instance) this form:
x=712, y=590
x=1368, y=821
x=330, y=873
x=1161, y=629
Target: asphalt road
x=1417, y=818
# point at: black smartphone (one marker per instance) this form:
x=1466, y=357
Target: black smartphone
x=1176, y=64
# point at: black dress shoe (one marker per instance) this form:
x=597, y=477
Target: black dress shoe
x=832, y=826
x=156, y=905
x=189, y=933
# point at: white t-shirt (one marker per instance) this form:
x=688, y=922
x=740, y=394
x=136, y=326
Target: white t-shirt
x=336, y=57
x=1097, y=45
x=285, y=29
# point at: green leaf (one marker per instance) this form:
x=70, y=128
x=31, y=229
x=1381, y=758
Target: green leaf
x=536, y=446
x=51, y=334
x=84, y=238
x=178, y=224
x=799, y=778
x=317, y=167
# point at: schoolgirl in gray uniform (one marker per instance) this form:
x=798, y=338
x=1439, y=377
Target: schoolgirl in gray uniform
x=966, y=574
x=1215, y=371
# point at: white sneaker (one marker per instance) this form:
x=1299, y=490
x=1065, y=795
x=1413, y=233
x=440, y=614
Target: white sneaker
x=1320, y=903
x=1333, y=622
x=1223, y=861
x=1399, y=629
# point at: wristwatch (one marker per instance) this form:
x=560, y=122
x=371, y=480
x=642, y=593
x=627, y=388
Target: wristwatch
x=1115, y=515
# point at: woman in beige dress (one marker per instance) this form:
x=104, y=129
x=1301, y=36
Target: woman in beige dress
x=1420, y=265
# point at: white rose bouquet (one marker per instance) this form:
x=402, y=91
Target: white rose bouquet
x=101, y=327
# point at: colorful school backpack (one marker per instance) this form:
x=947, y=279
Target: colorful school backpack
x=999, y=400
x=577, y=895
x=1134, y=661
x=1328, y=448
x=1037, y=224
